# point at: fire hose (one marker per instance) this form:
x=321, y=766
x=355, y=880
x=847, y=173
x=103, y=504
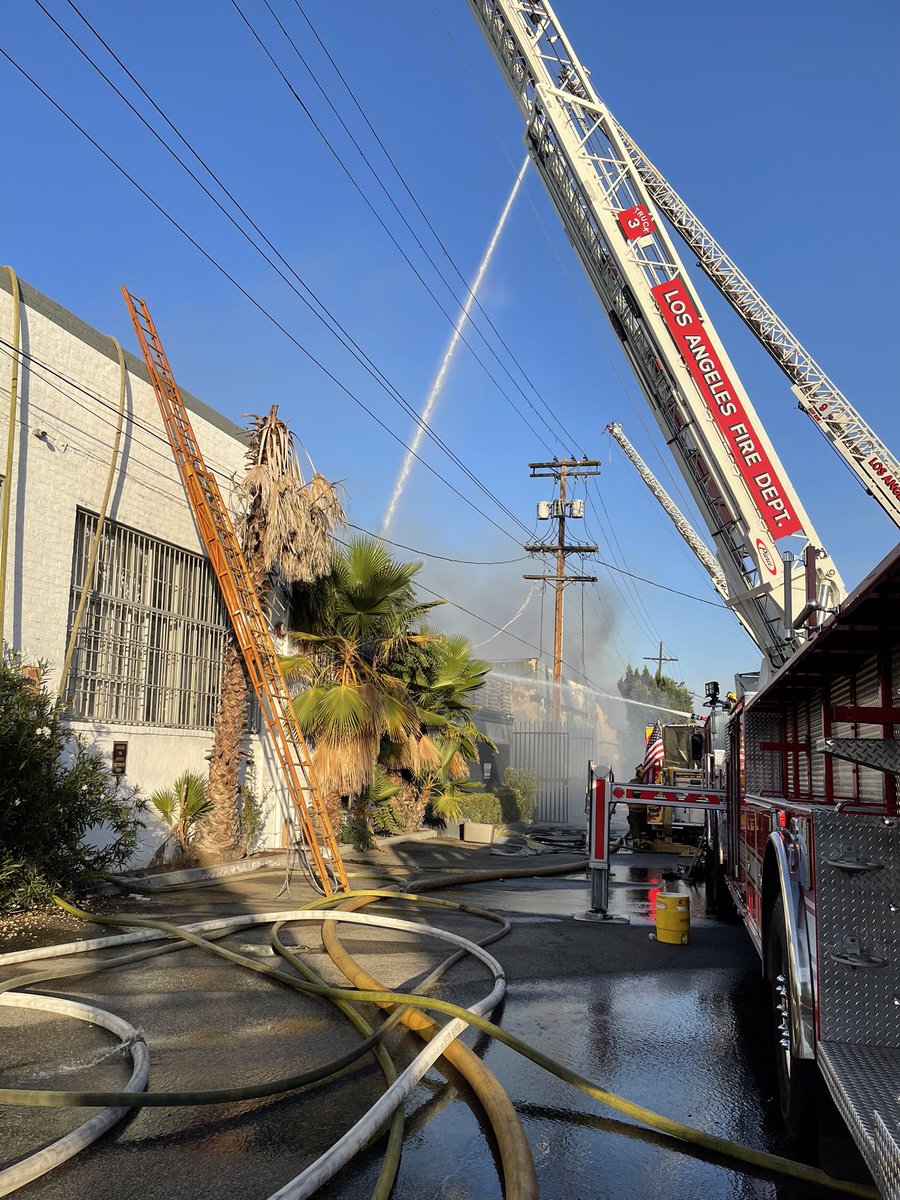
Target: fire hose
x=372, y=992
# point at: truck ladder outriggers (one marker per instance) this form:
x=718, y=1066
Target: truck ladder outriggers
x=244, y=609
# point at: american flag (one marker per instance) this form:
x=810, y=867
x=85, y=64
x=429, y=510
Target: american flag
x=653, y=755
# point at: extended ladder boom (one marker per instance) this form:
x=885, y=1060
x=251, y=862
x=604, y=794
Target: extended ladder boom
x=874, y=465
x=679, y=520
x=250, y=625
x=706, y=417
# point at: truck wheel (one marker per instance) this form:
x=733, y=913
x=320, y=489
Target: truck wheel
x=795, y=1077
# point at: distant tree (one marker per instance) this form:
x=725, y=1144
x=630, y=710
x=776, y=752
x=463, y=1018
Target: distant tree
x=654, y=690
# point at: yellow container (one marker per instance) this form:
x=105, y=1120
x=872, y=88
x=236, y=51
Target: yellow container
x=673, y=918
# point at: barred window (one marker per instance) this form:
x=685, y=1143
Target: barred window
x=149, y=649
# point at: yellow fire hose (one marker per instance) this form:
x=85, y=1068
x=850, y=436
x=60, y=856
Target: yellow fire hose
x=686, y=1134
x=519, y=1177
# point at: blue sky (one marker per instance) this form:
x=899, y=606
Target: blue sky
x=778, y=124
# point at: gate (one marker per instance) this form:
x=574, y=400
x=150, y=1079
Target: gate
x=559, y=759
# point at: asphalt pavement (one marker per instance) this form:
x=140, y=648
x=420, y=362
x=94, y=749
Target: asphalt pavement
x=681, y=1029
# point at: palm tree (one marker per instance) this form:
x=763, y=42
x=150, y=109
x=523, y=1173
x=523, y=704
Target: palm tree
x=356, y=708
x=284, y=525
x=444, y=681
x=181, y=807
x=387, y=701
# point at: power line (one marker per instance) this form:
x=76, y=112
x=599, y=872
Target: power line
x=664, y=587
x=368, y=203
x=256, y=303
x=379, y=180
x=315, y=304
x=619, y=556
x=37, y=366
x=639, y=410
x=466, y=562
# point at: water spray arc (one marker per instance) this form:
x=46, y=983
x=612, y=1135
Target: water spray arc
x=441, y=378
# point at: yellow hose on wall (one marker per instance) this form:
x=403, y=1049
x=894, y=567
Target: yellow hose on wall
x=90, y=571
x=10, y=446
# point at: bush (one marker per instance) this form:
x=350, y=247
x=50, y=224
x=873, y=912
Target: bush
x=252, y=812
x=517, y=795
x=480, y=806
x=386, y=820
x=355, y=831
x=54, y=791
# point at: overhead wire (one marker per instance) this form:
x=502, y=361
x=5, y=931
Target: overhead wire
x=36, y=368
x=310, y=299
x=383, y=186
x=677, y=483
x=257, y=304
x=342, y=334
x=466, y=562
x=619, y=556
x=405, y=185
x=389, y=233
x=586, y=312
x=636, y=596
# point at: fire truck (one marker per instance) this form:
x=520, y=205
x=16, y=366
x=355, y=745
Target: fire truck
x=800, y=779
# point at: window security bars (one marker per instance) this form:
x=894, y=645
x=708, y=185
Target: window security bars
x=149, y=650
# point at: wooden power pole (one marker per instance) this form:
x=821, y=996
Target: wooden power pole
x=659, y=660
x=561, y=470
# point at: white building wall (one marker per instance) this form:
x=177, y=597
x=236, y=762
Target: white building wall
x=63, y=447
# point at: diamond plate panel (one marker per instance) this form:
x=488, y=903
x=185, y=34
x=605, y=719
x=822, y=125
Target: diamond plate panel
x=869, y=752
x=763, y=767
x=864, y=1082
x=886, y=1165
x=858, y=1004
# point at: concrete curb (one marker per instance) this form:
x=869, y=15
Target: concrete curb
x=241, y=867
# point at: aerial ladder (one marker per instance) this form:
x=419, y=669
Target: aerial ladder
x=871, y=461
x=693, y=389
x=679, y=520
x=245, y=610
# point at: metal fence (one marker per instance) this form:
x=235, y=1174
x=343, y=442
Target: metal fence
x=559, y=758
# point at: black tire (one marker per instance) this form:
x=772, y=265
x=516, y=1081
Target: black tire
x=795, y=1077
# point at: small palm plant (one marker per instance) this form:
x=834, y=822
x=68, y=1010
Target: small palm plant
x=181, y=807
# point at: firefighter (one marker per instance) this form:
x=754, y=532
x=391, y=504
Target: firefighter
x=637, y=814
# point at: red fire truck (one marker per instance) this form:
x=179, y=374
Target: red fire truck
x=808, y=845
x=804, y=832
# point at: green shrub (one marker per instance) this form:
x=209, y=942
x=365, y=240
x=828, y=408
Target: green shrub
x=252, y=811
x=386, y=820
x=517, y=795
x=54, y=792
x=355, y=832
x=480, y=806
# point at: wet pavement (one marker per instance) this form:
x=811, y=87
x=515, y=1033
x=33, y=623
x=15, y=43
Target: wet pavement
x=681, y=1029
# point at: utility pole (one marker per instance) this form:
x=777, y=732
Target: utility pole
x=561, y=470
x=659, y=660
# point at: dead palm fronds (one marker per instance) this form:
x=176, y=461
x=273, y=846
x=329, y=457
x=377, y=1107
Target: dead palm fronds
x=285, y=522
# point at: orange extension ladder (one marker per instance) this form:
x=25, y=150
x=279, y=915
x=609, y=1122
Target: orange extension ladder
x=250, y=625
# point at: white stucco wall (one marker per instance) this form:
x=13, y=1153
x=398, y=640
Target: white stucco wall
x=63, y=446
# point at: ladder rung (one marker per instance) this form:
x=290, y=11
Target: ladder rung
x=242, y=602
